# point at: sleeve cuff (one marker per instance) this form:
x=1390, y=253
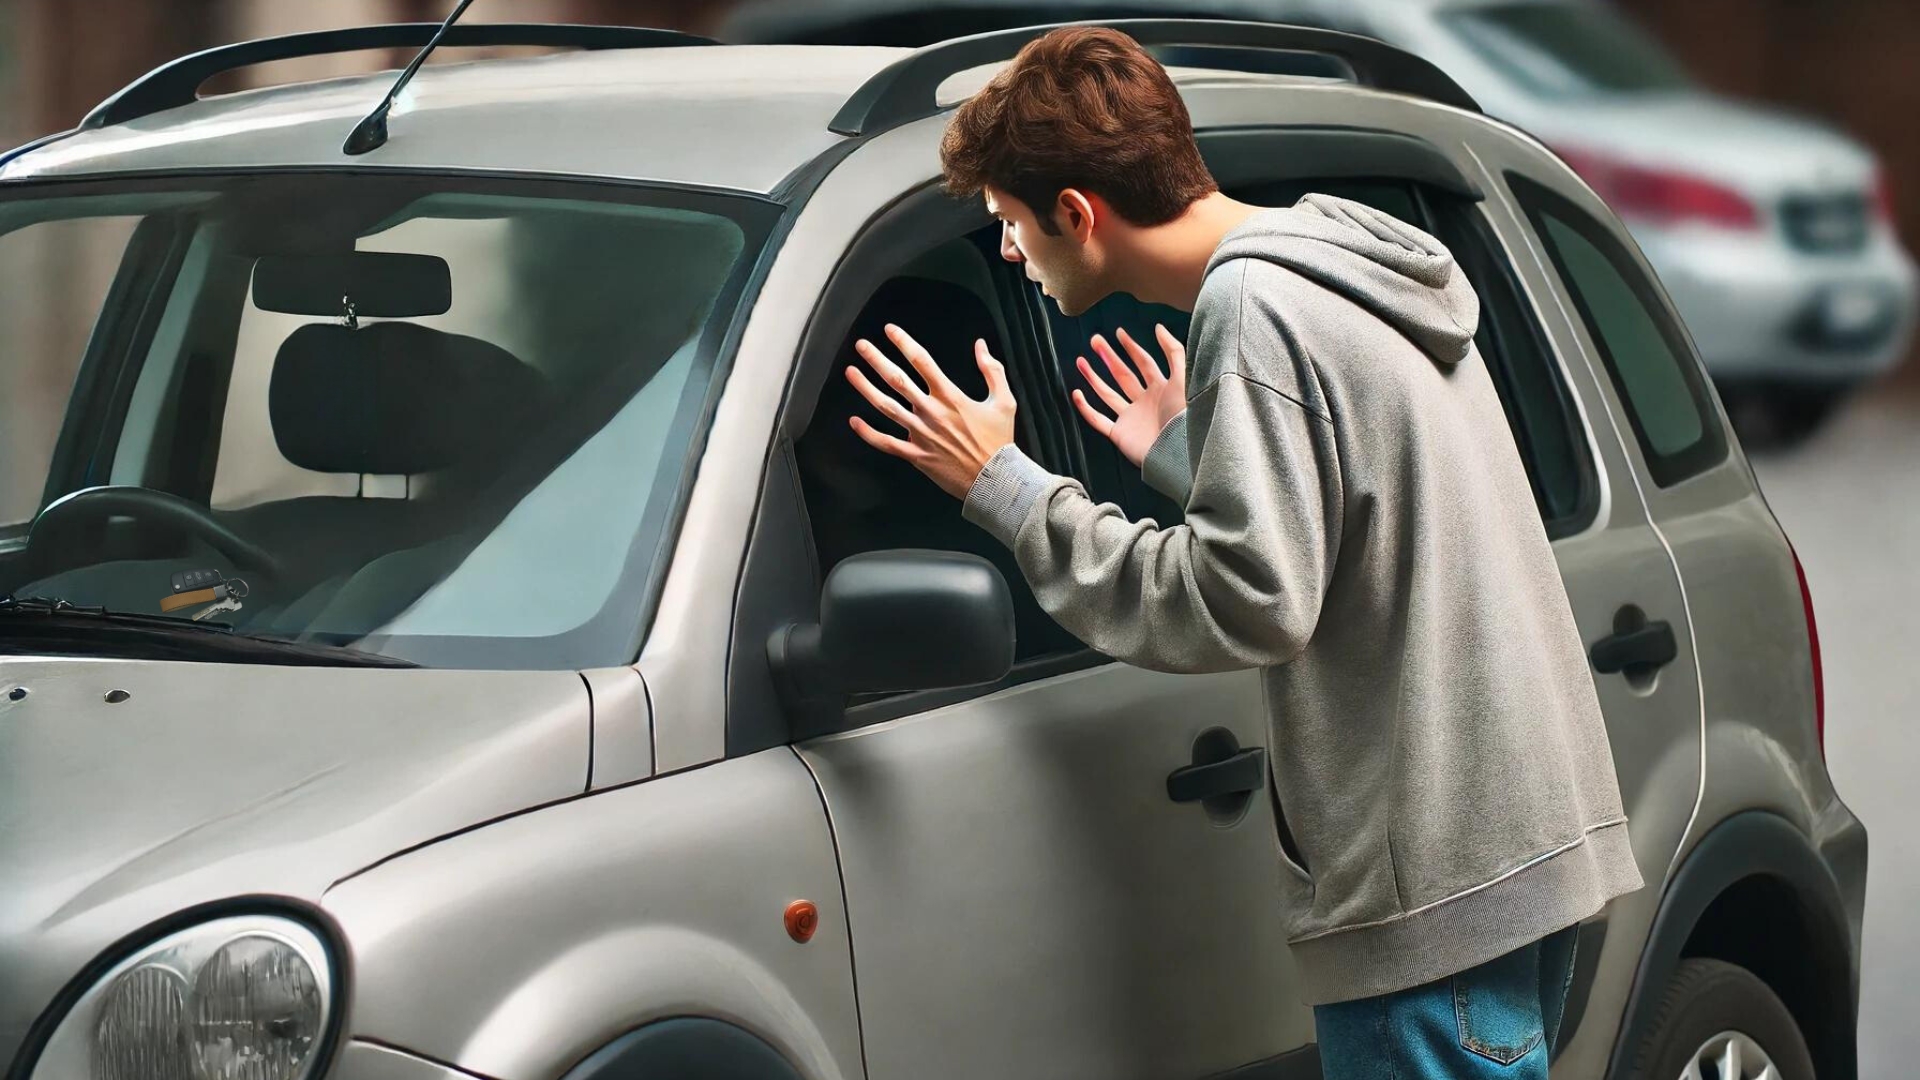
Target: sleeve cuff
x=1166, y=469
x=1005, y=493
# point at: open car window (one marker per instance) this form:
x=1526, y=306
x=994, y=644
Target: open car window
x=448, y=426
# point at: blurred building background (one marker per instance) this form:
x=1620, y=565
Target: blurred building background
x=1851, y=63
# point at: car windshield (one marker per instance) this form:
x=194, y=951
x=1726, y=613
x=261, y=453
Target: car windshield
x=1563, y=49
x=442, y=420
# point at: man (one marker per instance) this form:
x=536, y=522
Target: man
x=1358, y=524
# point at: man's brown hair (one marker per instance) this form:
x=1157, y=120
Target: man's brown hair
x=1080, y=107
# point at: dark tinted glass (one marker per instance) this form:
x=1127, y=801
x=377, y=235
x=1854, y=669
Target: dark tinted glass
x=1642, y=346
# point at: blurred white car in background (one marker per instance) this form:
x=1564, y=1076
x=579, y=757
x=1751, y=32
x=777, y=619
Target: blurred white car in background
x=1773, y=232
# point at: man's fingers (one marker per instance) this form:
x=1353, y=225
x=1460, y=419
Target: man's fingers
x=1107, y=393
x=1123, y=377
x=889, y=371
x=937, y=382
x=1176, y=351
x=1094, y=418
x=994, y=371
x=1143, y=360
x=888, y=405
x=881, y=441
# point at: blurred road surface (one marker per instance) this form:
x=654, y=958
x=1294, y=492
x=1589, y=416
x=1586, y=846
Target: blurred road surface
x=1848, y=500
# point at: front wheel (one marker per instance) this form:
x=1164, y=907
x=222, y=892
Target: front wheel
x=1718, y=1021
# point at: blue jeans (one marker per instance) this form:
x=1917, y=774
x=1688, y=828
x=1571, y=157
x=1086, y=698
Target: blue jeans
x=1498, y=1020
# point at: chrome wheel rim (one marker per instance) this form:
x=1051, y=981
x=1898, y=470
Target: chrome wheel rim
x=1730, y=1055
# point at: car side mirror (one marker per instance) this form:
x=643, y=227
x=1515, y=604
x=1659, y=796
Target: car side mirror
x=899, y=620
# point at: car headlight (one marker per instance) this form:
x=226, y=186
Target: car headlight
x=242, y=998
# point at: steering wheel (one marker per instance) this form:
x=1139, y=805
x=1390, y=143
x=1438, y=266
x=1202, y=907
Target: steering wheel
x=56, y=538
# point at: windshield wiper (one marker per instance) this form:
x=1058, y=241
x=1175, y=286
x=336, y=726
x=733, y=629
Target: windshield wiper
x=48, y=625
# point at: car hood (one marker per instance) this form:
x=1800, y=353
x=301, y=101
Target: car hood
x=1761, y=151
x=130, y=790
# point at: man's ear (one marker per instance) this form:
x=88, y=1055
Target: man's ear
x=1077, y=211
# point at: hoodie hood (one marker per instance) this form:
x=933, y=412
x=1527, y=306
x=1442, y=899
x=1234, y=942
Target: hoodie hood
x=1385, y=265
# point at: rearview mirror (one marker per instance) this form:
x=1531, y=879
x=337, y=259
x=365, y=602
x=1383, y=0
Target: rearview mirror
x=894, y=621
x=378, y=284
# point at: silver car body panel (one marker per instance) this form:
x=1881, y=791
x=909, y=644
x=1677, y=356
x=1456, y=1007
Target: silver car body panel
x=1087, y=925
x=212, y=781
x=565, y=928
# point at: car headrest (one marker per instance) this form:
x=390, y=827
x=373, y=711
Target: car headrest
x=394, y=397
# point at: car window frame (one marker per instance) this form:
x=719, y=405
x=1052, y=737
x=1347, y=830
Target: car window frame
x=1533, y=199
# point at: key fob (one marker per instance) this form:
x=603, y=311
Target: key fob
x=195, y=580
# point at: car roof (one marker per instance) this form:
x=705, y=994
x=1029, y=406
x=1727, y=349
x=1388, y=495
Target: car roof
x=634, y=113
x=637, y=114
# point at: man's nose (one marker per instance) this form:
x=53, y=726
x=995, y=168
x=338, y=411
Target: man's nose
x=1007, y=249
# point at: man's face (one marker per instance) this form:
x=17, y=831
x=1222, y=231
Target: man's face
x=1063, y=264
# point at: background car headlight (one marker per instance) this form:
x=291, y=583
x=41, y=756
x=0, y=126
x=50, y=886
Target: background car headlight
x=243, y=998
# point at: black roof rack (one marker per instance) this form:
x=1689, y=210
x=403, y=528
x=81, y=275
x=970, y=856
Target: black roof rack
x=178, y=82
x=904, y=90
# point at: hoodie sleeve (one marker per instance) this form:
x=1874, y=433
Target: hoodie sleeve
x=1166, y=468
x=1238, y=585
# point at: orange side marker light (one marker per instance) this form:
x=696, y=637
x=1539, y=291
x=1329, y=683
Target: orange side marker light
x=802, y=920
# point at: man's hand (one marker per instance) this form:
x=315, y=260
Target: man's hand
x=950, y=436
x=1144, y=404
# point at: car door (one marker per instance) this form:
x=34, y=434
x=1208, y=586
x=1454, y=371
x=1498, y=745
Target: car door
x=1025, y=897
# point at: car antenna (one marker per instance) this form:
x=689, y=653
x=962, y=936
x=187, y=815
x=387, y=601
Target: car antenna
x=371, y=133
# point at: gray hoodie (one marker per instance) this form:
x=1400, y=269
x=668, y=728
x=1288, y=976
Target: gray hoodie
x=1358, y=524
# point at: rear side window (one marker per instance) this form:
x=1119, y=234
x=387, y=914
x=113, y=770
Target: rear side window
x=1642, y=346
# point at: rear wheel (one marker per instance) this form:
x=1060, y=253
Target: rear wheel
x=1780, y=417
x=1798, y=413
x=1718, y=1021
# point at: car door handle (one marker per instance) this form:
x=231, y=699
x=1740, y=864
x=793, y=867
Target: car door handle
x=1647, y=647
x=1244, y=772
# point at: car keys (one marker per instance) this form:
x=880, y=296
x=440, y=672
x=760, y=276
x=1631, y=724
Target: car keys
x=192, y=587
x=227, y=602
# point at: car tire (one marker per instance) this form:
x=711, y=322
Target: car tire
x=1780, y=418
x=1798, y=414
x=1710, y=1003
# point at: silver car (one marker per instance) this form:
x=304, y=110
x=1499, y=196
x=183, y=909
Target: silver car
x=1773, y=232
x=560, y=701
